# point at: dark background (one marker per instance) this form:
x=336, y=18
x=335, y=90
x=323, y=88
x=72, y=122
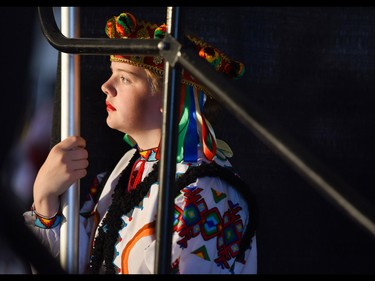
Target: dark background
x=309, y=69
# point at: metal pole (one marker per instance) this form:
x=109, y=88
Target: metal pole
x=70, y=125
x=168, y=155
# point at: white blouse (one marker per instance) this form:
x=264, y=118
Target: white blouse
x=209, y=218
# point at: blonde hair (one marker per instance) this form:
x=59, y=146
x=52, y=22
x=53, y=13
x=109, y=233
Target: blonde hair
x=155, y=80
x=211, y=107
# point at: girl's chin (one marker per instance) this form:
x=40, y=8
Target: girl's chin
x=113, y=126
x=110, y=123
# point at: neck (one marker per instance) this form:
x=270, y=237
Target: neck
x=148, y=140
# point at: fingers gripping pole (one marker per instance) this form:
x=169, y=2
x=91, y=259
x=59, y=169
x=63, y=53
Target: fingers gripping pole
x=70, y=104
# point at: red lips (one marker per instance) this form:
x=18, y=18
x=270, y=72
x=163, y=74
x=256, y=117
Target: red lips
x=110, y=106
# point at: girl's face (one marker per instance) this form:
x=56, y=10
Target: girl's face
x=132, y=106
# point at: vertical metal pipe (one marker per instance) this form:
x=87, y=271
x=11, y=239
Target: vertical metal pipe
x=70, y=125
x=168, y=155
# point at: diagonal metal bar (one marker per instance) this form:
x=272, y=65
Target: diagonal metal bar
x=330, y=185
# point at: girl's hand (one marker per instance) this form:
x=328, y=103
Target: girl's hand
x=66, y=163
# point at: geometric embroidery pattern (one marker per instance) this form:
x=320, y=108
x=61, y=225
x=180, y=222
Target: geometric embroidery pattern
x=228, y=243
x=196, y=219
x=202, y=253
x=218, y=196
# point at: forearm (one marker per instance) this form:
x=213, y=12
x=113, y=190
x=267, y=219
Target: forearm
x=47, y=206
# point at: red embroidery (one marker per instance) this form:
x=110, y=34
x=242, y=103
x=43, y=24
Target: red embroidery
x=136, y=174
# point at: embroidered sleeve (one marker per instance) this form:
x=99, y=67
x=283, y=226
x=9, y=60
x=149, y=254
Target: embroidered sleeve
x=210, y=218
x=50, y=237
x=46, y=222
x=47, y=229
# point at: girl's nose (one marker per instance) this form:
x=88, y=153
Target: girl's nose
x=107, y=89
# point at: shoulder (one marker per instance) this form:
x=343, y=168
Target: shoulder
x=210, y=172
x=212, y=181
x=218, y=181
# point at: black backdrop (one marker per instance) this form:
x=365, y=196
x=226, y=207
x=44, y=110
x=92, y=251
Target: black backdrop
x=311, y=70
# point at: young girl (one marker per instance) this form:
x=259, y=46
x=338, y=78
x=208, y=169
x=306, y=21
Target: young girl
x=214, y=216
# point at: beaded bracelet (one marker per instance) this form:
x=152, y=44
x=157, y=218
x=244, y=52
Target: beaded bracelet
x=46, y=222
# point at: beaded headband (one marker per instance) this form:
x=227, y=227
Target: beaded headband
x=126, y=26
x=194, y=128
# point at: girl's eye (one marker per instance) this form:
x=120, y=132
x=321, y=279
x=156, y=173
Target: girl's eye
x=124, y=80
